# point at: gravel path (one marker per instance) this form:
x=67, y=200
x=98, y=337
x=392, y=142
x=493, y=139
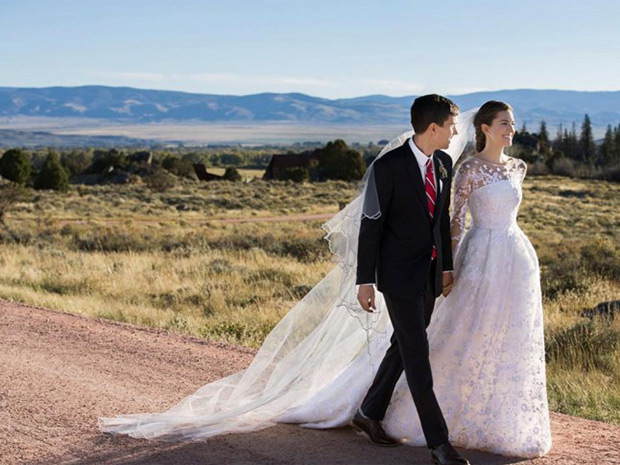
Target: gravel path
x=59, y=372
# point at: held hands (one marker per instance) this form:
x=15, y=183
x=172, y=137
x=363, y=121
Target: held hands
x=448, y=282
x=366, y=297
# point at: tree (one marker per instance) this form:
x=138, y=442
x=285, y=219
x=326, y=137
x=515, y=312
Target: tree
x=231, y=159
x=231, y=174
x=295, y=174
x=617, y=142
x=544, y=146
x=525, y=146
x=52, y=174
x=15, y=166
x=338, y=161
x=180, y=166
x=103, y=160
x=587, y=147
x=75, y=162
x=607, y=149
x=568, y=144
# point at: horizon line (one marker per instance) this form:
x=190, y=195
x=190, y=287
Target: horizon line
x=306, y=94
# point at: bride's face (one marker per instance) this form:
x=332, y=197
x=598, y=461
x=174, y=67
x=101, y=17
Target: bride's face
x=501, y=131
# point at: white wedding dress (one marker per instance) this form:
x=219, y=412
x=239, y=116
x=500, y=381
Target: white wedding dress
x=486, y=342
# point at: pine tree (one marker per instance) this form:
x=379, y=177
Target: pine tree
x=544, y=146
x=52, y=174
x=587, y=147
x=617, y=143
x=570, y=144
x=607, y=149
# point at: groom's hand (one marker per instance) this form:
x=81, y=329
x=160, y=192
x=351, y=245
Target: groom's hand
x=448, y=282
x=366, y=297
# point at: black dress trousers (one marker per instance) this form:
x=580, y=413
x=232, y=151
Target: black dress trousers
x=409, y=351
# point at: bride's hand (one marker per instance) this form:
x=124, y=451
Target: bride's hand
x=366, y=297
x=448, y=282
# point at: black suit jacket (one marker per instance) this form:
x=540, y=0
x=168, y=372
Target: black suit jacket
x=394, y=251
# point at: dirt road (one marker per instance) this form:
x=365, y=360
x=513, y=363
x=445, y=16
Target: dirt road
x=59, y=372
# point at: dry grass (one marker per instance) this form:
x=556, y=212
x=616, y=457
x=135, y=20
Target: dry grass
x=245, y=173
x=125, y=253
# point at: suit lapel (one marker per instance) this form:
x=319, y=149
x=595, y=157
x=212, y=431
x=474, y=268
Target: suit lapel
x=441, y=191
x=416, y=176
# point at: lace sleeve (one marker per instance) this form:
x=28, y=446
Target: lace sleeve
x=462, y=189
x=522, y=169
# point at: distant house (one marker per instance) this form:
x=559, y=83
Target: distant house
x=281, y=162
x=203, y=175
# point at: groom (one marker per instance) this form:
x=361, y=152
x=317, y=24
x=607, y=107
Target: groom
x=407, y=253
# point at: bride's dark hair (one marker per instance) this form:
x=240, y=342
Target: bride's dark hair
x=486, y=115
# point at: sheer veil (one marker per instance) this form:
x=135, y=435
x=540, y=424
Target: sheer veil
x=308, y=349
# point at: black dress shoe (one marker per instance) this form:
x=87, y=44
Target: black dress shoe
x=445, y=454
x=373, y=429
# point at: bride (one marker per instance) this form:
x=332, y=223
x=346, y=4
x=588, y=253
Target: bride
x=485, y=338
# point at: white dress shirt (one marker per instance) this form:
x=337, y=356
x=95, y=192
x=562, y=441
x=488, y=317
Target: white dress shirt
x=422, y=159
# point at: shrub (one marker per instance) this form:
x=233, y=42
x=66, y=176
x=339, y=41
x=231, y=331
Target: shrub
x=160, y=181
x=179, y=166
x=565, y=275
x=564, y=167
x=587, y=345
x=103, y=160
x=52, y=175
x=537, y=168
x=612, y=173
x=10, y=194
x=602, y=257
x=15, y=166
x=75, y=162
x=231, y=174
x=295, y=174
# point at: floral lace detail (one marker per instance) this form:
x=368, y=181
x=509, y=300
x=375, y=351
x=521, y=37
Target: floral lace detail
x=475, y=173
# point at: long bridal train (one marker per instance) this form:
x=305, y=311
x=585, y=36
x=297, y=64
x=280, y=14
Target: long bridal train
x=486, y=342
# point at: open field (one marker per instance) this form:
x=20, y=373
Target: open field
x=200, y=132
x=245, y=173
x=159, y=260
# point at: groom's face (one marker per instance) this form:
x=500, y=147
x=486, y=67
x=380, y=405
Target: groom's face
x=444, y=133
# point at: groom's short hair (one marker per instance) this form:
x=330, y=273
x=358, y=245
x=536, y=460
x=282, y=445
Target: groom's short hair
x=429, y=109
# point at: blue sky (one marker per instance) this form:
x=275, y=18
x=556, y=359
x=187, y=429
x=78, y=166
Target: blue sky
x=337, y=48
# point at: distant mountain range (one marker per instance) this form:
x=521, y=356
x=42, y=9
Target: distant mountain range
x=14, y=138
x=143, y=106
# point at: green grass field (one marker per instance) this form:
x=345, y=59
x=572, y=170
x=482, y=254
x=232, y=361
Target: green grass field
x=162, y=260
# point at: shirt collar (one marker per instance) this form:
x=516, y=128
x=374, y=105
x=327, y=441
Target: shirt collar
x=420, y=156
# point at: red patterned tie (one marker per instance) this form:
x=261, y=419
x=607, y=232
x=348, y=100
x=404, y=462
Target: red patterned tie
x=431, y=194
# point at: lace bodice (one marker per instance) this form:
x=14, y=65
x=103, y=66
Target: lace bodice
x=491, y=191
